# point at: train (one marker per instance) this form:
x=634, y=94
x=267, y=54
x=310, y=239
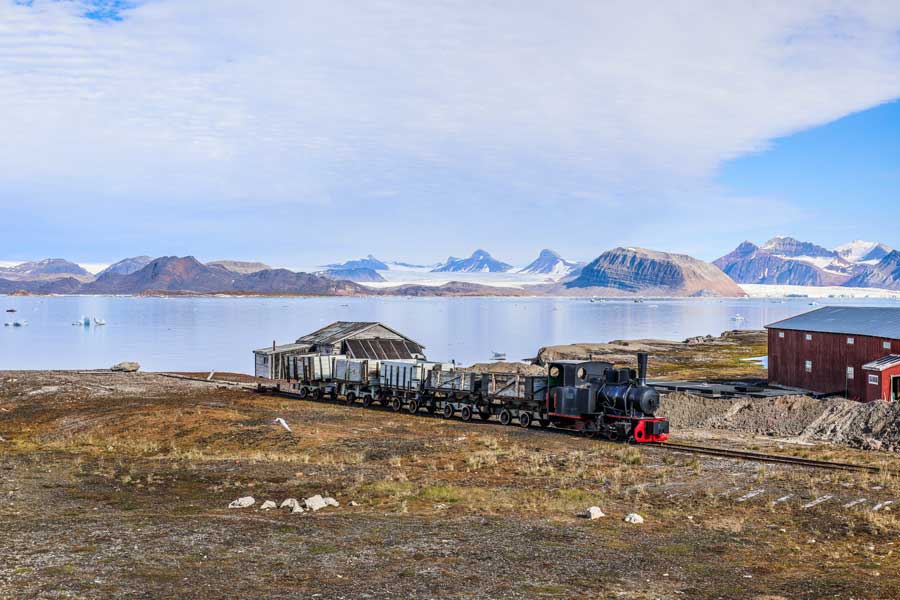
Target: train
x=592, y=397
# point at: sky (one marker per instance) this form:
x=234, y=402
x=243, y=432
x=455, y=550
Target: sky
x=300, y=133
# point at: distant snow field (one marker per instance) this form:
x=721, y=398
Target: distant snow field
x=780, y=291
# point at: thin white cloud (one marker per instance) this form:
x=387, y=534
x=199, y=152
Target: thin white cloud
x=216, y=102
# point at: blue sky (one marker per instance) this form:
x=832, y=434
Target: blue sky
x=305, y=132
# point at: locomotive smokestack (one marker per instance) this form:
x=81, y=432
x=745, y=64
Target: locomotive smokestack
x=642, y=367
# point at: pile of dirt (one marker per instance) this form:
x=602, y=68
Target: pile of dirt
x=874, y=425
x=519, y=368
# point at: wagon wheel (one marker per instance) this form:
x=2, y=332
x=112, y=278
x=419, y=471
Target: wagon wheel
x=367, y=400
x=466, y=413
x=350, y=398
x=525, y=419
x=485, y=414
x=413, y=406
x=448, y=411
x=545, y=423
x=304, y=392
x=396, y=404
x=505, y=417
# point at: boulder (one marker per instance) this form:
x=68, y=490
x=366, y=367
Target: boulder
x=268, y=505
x=634, y=518
x=292, y=504
x=317, y=502
x=245, y=502
x=126, y=367
x=593, y=513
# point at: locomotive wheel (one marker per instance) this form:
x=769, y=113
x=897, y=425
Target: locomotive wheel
x=466, y=413
x=351, y=398
x=367, y=400
x=505, y=417
x=413, y=406
x=448, y=411
x=396, y=404
x=485, y=414
x=545, y=423
x=304, y=392
x=525, y=419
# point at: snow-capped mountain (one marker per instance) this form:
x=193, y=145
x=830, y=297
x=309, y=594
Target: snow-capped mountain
x=748, y=263
x=549, y=263
x=813, y=254
x=480, y=262
x=369, y=262
x=861, y=251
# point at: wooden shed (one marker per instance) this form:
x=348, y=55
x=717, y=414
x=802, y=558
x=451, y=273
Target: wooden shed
x=354, y=339
x=841, y=350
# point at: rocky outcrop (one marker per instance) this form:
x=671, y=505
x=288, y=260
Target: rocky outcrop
x=885, y=274
x=791, y=247
x=480, y=262
x=648, y=272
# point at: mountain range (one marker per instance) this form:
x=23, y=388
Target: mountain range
x=620, y=271
x=788, y=261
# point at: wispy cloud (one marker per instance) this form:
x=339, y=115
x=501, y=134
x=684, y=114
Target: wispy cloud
x=216, y=105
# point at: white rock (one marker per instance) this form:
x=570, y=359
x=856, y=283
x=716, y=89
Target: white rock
x=315, y=503
x=331, y=501
x=127, y=367
x=593, y=513
x=634, y=518
x=292, y=504
x=354, y=503
x=245, y=502
x=268, y=505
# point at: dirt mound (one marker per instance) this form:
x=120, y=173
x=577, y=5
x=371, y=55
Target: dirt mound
x=873, y=425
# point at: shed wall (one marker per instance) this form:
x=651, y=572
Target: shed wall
x=830, y=355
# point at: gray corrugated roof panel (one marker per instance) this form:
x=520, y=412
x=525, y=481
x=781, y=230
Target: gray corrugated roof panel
x=283, y=348
x=874, y=321
x=335, y=332
x=882, y=364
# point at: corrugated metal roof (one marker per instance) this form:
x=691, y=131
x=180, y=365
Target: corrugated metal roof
x=341, y=330
x=283, y=348
x=874, y=321
x=381, y=349
x=882, y=364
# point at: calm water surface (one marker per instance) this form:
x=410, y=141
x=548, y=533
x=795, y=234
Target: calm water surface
x=201, y=334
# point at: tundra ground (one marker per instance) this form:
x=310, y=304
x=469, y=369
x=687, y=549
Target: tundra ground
x=117, y=485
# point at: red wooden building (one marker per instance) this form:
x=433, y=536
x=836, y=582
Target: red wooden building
x=851, y=351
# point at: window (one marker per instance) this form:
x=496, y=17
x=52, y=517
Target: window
x=808, y=337
x=809, y=366
x=886, y=345
x=873, y=379
x=850, y=373
x=850, y=341
x=781, y=334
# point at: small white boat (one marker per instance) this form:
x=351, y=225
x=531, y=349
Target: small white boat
x=738, y=318
x=99, y=322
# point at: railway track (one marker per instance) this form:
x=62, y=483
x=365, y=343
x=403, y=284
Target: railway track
x=771, y=458
x=719, y=452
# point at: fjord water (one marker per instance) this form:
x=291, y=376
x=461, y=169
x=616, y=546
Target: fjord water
x=218, y=333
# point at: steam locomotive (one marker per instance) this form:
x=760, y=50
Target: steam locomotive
x=592, y=397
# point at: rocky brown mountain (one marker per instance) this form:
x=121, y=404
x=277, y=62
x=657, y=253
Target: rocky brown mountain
x=648, y=272
x=240, y=266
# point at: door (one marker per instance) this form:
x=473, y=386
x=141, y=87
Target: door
x=895, y=388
